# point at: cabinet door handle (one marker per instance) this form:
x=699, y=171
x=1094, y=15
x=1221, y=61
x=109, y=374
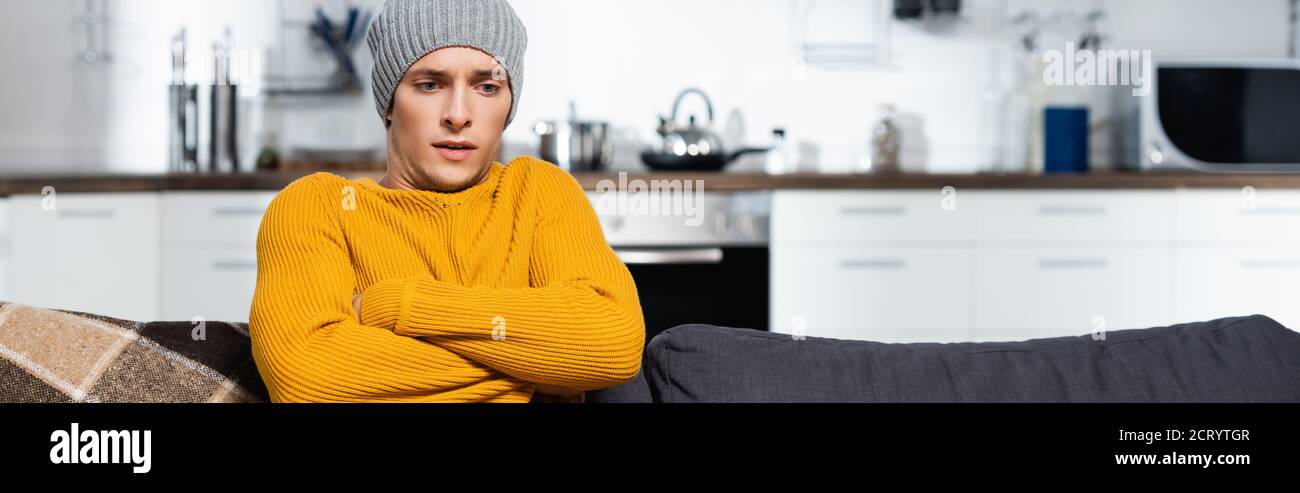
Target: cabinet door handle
x=238, y=211
x=86, y=213
x=1270, y=263
x=873, y=210
x=234, y=265
x=1072, y=210
x=1072, y=263
x=874, y=263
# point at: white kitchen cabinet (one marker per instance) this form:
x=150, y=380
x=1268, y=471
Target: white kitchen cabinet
x=213, y=283
x=91, y=252
x=891, y=265
x=1018, y=218
x=881, y=294
x=872, y=217
x=1046, y=292
x=1067, y=262
x=1237, y=252
x=6, y=249
x=1023, y=264
x=1219, y=282
x=1238, y=217
x=210, y=253
x=213, y=218
x=900, y=266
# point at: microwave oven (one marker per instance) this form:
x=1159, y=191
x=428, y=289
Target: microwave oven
x=1222, y=116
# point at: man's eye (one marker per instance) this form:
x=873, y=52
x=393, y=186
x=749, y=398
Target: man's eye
x=490, y=88
x=428, y=86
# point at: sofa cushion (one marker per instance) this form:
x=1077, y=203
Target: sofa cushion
x=66, y=356
x=1239, y=359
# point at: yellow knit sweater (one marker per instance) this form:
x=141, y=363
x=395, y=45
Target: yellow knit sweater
x=475, y=295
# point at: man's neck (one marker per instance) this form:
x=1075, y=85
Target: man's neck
x=388, y=182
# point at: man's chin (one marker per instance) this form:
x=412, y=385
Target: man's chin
x=453, y=177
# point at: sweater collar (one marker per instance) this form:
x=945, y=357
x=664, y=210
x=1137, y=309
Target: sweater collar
x=440, y=200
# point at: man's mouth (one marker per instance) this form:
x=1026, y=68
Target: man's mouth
x=455, y=145
x=454, y=150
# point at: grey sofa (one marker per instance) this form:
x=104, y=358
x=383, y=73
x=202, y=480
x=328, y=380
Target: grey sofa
x=1239, y=359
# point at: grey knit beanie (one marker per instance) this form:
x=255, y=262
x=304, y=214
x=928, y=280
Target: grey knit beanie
x=406, y=30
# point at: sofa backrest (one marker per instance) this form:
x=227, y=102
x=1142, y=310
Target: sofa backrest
x=1239, y=359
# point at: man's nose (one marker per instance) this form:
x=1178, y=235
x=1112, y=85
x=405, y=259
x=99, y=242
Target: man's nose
x=456, y=115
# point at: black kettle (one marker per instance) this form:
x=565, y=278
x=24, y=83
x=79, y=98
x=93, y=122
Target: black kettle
x=692, y=147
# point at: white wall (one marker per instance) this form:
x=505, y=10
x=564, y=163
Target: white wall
x=621, y=60
x=58, y=114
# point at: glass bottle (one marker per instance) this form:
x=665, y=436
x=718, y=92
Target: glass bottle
x=885, y=141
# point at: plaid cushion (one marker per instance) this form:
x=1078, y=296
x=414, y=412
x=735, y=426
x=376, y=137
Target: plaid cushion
x=51, y=355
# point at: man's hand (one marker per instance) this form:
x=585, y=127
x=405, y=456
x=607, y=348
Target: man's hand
x=548, y=393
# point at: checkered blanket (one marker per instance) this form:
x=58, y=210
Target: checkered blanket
x=66, y=356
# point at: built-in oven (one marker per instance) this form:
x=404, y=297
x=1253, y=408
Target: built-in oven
x=700, y=262
x=1222, y=115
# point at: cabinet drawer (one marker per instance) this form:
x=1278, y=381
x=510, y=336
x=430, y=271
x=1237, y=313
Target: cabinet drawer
x=213, y=218
x=214, y=283
x=887, y=295
x=1030, y=293
x=91, y=252
x=871, y=216
x=1236, y=216
x=1217, y=283
x=1073, y=216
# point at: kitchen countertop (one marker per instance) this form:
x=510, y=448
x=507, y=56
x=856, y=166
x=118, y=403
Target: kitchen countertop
x=32, y=184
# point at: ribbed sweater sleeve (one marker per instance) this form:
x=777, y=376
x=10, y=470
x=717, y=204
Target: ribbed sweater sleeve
x=578, y=325
x=306, y=340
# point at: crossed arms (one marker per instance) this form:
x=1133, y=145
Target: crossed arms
x=580, y=328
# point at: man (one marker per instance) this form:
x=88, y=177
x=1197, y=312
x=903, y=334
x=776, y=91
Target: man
x=454, y=277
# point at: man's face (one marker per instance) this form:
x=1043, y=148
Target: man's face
x=447, y=99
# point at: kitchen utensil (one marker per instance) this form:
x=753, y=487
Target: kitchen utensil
x=574, y=145
x=223, y=150
x=183, y=100
x=691, y=147
x=777, y=162
x=335, y=40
